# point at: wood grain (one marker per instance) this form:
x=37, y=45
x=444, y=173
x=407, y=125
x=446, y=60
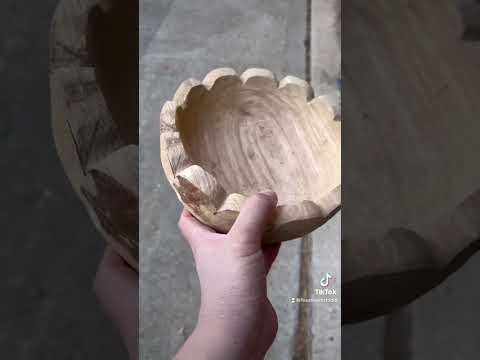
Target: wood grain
x=230, y=136
x=410, y=94
x=98, y=147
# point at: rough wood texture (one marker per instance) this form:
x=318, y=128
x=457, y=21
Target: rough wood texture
x=231, y=136
x=412, y=204
x=99, y=152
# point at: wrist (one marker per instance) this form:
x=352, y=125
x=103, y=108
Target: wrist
x=212, y=340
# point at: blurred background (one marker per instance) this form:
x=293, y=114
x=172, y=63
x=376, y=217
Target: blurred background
x=50, y=248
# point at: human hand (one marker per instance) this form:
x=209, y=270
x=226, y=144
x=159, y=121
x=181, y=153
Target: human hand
x=236, y=319
x=116, y=286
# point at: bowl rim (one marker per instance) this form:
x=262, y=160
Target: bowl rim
x=200, y=192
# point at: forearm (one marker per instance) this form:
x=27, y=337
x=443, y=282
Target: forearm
x=212, y=343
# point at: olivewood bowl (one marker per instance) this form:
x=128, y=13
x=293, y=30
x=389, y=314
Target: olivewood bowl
x=230, y=136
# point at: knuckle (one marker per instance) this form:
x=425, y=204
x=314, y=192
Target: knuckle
x=243, y=246
x=239, y=249
x=261, y=198
x=244, y=233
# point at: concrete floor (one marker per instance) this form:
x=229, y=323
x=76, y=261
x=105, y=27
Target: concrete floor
x=193, y=39
x=50, y=248
x=441, y=325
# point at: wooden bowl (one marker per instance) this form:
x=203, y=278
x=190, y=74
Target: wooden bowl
x=95, y=112
x=412, y=185
x=230, y=136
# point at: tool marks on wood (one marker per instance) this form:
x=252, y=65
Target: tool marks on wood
x=249, y=133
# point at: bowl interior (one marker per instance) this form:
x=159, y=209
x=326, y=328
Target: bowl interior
x=254, y=139
x=112, y=45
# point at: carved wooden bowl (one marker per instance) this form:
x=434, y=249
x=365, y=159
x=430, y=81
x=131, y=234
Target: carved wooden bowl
x=230, y=136
x=95, y=112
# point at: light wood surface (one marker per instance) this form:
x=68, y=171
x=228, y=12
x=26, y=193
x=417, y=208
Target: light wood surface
x=230, y=136
x=411, y=87
x=99, y=152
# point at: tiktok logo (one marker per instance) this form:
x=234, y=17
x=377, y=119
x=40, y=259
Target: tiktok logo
x=325, y=282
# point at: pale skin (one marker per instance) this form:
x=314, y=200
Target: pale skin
x=116, y=287
x=236, y=320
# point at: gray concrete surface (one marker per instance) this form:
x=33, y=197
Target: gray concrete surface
x=183, y=39
x=193, y=39
x=50, y=248
x=325, y=70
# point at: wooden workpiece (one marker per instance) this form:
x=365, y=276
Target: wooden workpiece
x=231, y=136
x=94, y=92
x=411, y=86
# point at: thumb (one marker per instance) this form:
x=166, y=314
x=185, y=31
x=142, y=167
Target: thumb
x=255, y=215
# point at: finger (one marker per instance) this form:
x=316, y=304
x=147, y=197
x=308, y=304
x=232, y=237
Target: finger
x=193, y=230
x=255, y=215
x=112, y=262
x=116, y=287
x=112, y=270
x=270, y=253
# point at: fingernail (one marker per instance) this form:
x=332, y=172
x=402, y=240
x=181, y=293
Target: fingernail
x=271, y=194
